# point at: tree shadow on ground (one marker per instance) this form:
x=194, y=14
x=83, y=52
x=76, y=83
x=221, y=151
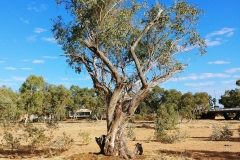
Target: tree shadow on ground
x=25, y=152
x=202, y=155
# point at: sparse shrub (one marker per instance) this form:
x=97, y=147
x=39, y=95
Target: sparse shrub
x=149, y=138
x=11, y=141
x=138, y=117
x=221, y=133
x=35, y=136
x=85, y=137
x=131, y=132
x=11, y=138
x=149, y=117
x=63, y=142
x=170, y=138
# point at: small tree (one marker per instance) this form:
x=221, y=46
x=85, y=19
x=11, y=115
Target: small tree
x=31, y=92
x=127, y=48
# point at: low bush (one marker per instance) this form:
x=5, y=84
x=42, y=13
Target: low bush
x=221, y=133
x=170, y=138
x=63, y=143
x=85, y=137
x=131, y=132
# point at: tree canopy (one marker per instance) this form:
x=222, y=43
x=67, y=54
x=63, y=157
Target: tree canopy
x=127, y=48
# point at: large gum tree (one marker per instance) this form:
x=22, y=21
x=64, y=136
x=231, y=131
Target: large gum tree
x=127, y=48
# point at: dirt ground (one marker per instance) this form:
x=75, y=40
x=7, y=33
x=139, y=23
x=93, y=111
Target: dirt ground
x=196, y=146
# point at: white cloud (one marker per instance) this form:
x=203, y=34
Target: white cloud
x=229, y=34
x=39, y=30
x=38, y=61
x=199, y=84
x=10, y=68
x=200, y=76
x=22, y=79
x=219, y=62
x=32, y=38
x=236, y=76
x=51, y=40
x=25, y=21
x=26, y=68
x=210, y=43
x=41, y=8
x=63, y=78
x=84, y=78
x=50, y=57
x=229, y=82
x=232, y=70
x=25, y=60
x=7, y=84
x=225, y=31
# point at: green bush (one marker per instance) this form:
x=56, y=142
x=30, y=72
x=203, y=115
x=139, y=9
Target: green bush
x=63, y=143
x=221, y=133
x=11, y=141
x=131, y=132
x=85, y=137
x=174, y=137
x=35, y=136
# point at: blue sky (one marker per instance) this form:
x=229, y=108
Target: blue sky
x=27, y=47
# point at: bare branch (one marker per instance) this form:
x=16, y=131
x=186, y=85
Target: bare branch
x=106, y=61
x=138, y=66
x=97, y=84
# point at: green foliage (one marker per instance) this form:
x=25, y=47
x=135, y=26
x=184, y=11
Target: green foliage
x=11, y=141
x=221, y=133
x=108, y=37
x=63, y=143
x=238, y=82
x=186, y=105
x=85, y=135
x=32, y=95
x=9, y=105
x=174, y=137
x=230, y=99
x=34, y=136
x=131, y=132
x=166, y=118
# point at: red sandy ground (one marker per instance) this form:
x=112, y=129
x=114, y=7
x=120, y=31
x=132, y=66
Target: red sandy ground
x=196, y=146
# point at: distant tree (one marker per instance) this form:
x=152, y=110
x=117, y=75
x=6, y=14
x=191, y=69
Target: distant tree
x=172, y=97
x=152, y=102
x=238, y=82
x=8, y=105
x=31, y=93
x=126, y=53
x=201, y=102
x=59, y=97
x=166, y=117
x=230, y=99
x=187, y=106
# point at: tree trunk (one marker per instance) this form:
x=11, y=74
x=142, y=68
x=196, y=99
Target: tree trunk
x=114, y=144
x=119, y=147
x=118, y=114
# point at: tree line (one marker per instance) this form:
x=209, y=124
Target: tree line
x=37, y=97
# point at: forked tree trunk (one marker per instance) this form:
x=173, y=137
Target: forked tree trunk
x=119, y=113
x=119, y=148
x=114, y=144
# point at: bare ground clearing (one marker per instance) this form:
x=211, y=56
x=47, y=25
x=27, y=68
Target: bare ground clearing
x=196, y=146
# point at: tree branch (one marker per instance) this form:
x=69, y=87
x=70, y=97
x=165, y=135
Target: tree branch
x=106, y=61
x=138, y=66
